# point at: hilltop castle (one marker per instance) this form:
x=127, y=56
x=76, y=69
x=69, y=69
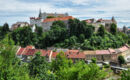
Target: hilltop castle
x=45, y=20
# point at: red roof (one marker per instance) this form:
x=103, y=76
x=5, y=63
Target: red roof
x=100, y=52
x=58, y=18
x=30, y=52
x=54, y=54
x=78, y=55
x=75, y=54
x=43, y=52
x=111, y=50
x=20, y=51
x=124, y=48
x=72, y=51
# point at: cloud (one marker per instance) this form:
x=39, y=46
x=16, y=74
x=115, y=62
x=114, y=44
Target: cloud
x=17, y=5
x=23, y=9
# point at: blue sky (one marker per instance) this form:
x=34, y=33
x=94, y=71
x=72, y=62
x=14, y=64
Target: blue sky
x=12, y=11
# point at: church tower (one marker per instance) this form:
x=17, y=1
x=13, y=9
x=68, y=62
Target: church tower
x=113, y=20
x=40, y=13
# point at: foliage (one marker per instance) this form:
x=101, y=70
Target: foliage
x=60, y=62
x=39, y=30
x=121, y=60
x=10, y=67
x=4, y=30
x=106, y=66
x=94, y=60
x=50, y=16
x=39, y=68
x=125, y=75
x=58, y=23
x=81, y=71
x=75, y=35
x=113, y=29
x=23, y=36
x=101, y=31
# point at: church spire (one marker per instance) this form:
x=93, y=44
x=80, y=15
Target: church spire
x=113, y=19
x=40, y=13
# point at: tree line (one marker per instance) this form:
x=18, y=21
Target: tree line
x=76, y=35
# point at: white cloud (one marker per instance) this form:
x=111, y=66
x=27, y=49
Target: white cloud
x=77, y=8
x=16, y=5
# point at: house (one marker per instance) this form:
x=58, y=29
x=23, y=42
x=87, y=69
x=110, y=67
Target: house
x=110, y=55
x=19, y=24
x=100, y=55
x=29, y=52
x=105, y=22
x=75, y=55
x=125, y=51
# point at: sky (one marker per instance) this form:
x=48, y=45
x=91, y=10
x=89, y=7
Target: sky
x=12, y=11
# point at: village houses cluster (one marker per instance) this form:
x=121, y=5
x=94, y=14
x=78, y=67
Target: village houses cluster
x=110, y=55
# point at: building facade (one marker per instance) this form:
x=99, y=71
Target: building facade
x=105, y=22
x=19, y=24
x=45, y=22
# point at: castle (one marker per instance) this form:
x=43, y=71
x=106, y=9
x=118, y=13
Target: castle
x=45, y=20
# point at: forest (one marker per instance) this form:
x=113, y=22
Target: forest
x=78, y=35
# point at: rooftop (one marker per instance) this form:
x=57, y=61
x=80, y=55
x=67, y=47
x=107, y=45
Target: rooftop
x=58, y=18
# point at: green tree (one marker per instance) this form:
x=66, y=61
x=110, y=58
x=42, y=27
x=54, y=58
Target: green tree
x=39, y=68
x=81, y=38
x=113, y=29
x=50, y=16
x=89, y=31
x=125, y=75
x=5, y=28
x=39, y=30
x=81, y=71
x=60, y=62
x=101, y=31
x=10, y=67
x=121, y=60
x=23, y=36
x=94, y=60
x=59, y=23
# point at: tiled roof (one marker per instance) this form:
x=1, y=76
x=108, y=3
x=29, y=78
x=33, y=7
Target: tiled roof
x=124, y=48
x=74, y=54
x=112, y=50
x=78, y=55
x=100, y=52
x=30, y=52
x=90, y=20
x=20, y=51
x=89, y=52
x=104, y=20
x=43, y=52
x=54, y=54
x=58, y=18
